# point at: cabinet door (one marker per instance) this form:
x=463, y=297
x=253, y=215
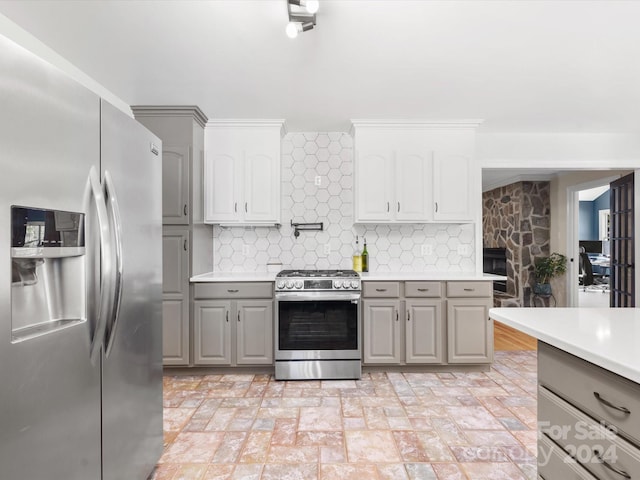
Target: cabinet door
x=254, y=339
x=175, y=185
x=469, y=331
x=451, y=186
x=175, y=296
x=261, y=188
x=413, y=194
x=381, y=331
x=175, y=331
x=424, y=331
x=212, y=332
x=223, y=201
x=374, y=182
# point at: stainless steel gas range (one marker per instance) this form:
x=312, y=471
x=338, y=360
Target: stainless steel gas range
x=318, y=325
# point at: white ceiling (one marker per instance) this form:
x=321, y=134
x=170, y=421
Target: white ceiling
x=522, y=65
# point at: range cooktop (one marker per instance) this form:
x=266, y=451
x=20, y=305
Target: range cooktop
x=317, y=274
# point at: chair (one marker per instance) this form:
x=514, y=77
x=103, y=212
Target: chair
x=586, y=277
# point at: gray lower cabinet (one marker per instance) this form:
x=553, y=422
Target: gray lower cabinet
x=407, y=323
x=423, y=331
x=469, y=328
x=175, y=296
x=588, y=415
x=381, y=336
x=231, y=325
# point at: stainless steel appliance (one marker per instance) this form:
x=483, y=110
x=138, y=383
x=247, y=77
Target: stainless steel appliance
x=80, y=289
x=318, y=325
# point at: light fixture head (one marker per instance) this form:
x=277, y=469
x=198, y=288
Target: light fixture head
x=292, y=29
x=312, y=6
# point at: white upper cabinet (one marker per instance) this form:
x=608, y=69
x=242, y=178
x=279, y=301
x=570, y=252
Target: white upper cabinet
x=413, y=172
x=242, y=172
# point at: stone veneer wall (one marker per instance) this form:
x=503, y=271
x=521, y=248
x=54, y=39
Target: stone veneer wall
x=306, y=156
x=517, y=217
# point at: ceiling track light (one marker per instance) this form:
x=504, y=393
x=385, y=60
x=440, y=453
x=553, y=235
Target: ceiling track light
x=302, y=16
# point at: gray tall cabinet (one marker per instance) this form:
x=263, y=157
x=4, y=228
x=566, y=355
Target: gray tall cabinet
x=186, y=239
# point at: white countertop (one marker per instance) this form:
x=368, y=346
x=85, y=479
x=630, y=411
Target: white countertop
x=369, y=276
x=607, y=337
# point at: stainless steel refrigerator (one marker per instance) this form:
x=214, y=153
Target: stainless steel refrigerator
x=80, y=281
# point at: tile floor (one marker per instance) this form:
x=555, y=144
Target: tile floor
x=394, y=426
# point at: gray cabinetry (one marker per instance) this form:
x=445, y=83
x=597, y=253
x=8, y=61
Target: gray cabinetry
x=406, y=323
x=175, y=296
x=590, y=415
x=423, y=331
x=181, y=129
x=381, y=331
x=469, y=328
x=233, y=323
x=175, y=184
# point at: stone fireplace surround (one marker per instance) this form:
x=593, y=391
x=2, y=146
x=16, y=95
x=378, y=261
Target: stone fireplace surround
x=517, y=217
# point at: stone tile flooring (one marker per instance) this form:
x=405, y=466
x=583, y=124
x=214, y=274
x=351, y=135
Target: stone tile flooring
x=386, y=426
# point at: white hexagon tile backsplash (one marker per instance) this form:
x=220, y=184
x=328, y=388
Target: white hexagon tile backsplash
x=392, y=248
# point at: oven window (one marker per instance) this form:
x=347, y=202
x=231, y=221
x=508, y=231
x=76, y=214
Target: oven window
x=322, y=325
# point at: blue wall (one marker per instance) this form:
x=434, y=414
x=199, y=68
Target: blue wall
x=588, y=223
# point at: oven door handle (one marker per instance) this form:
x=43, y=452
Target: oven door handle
x=313, y=297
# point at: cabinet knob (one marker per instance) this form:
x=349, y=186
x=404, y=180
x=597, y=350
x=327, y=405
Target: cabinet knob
x=397, y=316
x=185, y=209
x=245, y=207
x=184, y=245
x=387, y=207
x=238, y=316
x=235, y=207
x=227, y=315
x=436, y=207
x=408, y=316
x=398, y=207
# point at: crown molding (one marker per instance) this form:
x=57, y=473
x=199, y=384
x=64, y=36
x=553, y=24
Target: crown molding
x=171, y=111
x=250, y=122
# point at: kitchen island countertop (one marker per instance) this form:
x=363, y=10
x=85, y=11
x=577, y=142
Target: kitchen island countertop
x=607, y=337
x=368, y=276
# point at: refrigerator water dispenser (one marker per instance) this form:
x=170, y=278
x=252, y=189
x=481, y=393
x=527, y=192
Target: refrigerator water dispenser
x=48, y=287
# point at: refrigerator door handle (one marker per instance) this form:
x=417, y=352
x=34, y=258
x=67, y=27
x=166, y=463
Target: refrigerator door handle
x=106, y=267
x=112, y=201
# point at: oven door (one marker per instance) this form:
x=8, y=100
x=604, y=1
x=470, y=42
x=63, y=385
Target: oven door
x=317, y=326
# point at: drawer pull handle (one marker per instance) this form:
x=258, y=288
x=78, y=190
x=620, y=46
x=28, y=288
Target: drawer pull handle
x=238, y=316
x=397, y=316
x=232, y=291
x=622, y=473
x=423, y=289
x=408, y=316
x=227, y=315
x=381, y=289
x=603, y=401
x=469, y=289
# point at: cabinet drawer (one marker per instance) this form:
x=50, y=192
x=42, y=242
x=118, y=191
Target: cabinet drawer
x=423, y=289
x=555, y=463
x=595, y=447
x=581, y=383
x=381, y=289
x=469, y=289
x=233, y=290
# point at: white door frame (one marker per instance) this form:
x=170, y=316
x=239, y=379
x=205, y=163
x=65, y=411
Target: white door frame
x=573, y=266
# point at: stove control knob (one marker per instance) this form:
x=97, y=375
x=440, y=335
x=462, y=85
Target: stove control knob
x=345, y=284
x=337, y=283
x=281, y=284
x=289, y=283
x=299, y=284
x=354, y=284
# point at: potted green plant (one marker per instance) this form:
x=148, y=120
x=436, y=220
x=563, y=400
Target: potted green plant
x=545, y=269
